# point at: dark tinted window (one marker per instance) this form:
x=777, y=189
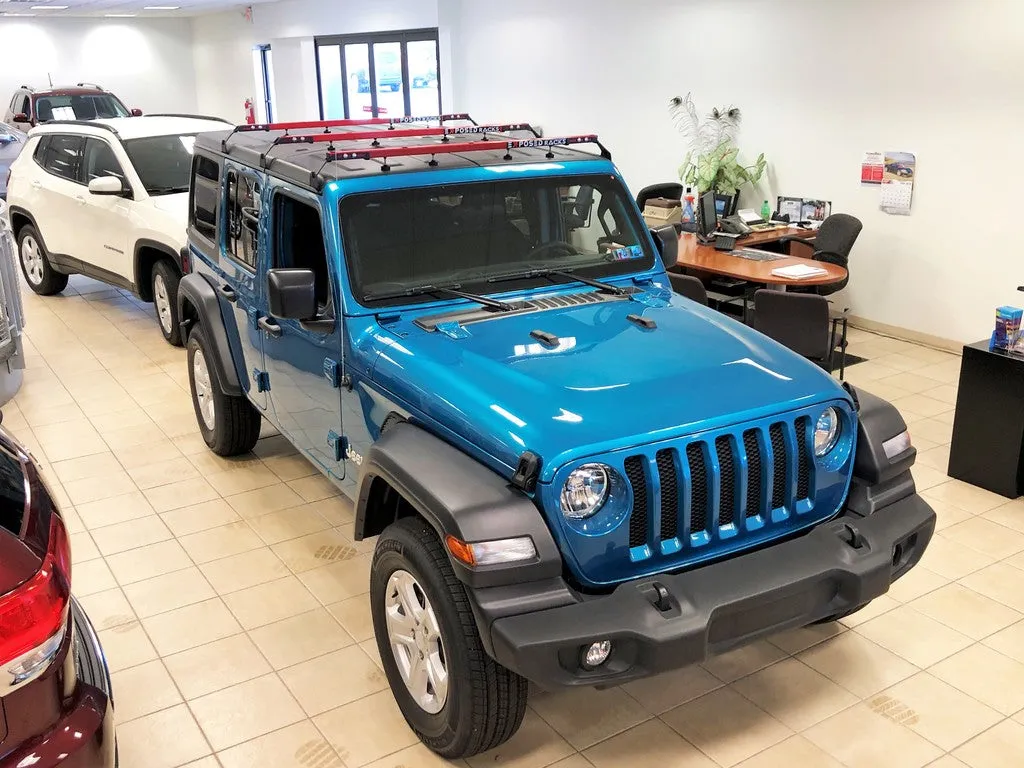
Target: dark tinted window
x=12, y=492
x=468, y=233
x=41, y=148
x=22, y=108
x=299, y=243
x=162, y=162
x=63, y=156
x=99, y=160
x=205, y=193
x=243, y=217
x=87, y=106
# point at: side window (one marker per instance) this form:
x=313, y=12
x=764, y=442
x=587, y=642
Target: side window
x=64, y=156
x=23, y=107
x=242, y=235
x=42, y=147
x=204, y=196
x=299, y=243
x=99, y=160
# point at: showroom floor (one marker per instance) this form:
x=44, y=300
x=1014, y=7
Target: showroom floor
x=232, y=601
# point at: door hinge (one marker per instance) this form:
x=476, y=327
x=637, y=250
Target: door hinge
x=254, y=317
x=334, y=374
x=338, y=443
x=262, y=379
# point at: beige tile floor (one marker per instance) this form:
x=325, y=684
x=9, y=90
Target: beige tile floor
x=232, y=600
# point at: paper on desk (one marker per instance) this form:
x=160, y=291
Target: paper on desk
x=798, y=271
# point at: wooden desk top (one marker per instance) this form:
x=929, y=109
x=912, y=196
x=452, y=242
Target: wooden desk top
x=705, y=258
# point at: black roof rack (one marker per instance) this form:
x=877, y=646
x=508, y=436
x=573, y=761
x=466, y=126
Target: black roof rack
x=87, y=123
x=191, y=117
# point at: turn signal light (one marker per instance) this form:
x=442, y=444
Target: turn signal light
x=460, y=550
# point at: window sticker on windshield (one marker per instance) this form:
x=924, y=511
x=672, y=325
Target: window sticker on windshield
x=627, y=252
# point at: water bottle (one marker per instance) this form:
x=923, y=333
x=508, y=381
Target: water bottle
x=766, y=211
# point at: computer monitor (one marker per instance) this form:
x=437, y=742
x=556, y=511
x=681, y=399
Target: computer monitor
x=708, y=217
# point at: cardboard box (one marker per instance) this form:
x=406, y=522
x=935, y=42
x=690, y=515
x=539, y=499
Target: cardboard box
x=661, y=211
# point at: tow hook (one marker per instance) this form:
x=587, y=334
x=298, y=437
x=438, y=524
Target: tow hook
x=852, y=536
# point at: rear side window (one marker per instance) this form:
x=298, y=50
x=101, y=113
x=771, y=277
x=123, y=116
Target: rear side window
x=243, y=217
x=205, y=191
x=42, y=147
x=64, y=156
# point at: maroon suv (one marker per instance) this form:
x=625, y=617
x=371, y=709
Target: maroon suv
x=54, y=682
x=85, y=101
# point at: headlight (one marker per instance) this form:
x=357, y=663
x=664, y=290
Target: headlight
x=826, y=431
x=585, y=490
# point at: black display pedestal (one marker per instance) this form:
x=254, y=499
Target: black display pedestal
x=988, y=428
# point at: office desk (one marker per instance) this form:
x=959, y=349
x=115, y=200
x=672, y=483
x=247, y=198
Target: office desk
x=704, y=258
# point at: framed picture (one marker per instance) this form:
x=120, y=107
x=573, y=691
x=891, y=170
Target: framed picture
x=804, y=209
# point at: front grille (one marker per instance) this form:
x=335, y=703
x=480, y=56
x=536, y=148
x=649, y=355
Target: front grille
x=634, y=467
x=730, y=484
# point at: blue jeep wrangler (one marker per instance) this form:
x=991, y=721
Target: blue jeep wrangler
x=575, y=476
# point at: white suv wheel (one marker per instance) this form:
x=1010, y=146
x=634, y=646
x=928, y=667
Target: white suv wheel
x=32, y=259
x=163, y=303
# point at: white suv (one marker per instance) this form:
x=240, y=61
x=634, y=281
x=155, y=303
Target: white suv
x=107, y=199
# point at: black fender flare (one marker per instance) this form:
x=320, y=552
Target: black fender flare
x=878, y=480
x=173, y=255
x=196, y=292
x=457, y=496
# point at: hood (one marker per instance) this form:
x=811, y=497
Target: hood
x=176, y=205
x=608, y=383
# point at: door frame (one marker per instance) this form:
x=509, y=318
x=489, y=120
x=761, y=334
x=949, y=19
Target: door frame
x=403, y=37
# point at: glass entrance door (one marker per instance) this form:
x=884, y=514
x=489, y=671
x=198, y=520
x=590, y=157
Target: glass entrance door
x=387, y=74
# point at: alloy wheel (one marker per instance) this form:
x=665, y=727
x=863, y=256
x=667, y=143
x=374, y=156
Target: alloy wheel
x=415, y=639
x=203, y=388
x=32, y=259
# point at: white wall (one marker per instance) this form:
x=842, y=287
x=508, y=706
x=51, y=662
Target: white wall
x=818, y=83
x=223, y=48
x=138, y=59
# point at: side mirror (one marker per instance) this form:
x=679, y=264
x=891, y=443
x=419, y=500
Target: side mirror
x=136, y=112
x=106, y=185
x=21, y=117
x=666, y=239
x=291, y=293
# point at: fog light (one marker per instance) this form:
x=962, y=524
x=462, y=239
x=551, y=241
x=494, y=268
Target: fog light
x=597, y=654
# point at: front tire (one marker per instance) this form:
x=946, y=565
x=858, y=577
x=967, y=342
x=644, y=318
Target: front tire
x=165, y=301
x=35, y=264
x=457, y=699
x=229, y=424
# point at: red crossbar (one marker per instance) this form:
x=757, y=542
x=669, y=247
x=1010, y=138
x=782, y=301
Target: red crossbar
x=468, y=146
x=399, y=133
x=340, y=123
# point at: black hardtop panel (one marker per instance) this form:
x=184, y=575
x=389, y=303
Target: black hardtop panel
x=306, y=165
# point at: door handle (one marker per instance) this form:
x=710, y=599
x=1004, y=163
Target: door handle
x=228, y=293
x=37, y=185
x=272, y=329
x=79, y=199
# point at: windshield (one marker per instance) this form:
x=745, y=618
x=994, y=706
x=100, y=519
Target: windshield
x=164, y=163
x=468, y=234
x=86, y=106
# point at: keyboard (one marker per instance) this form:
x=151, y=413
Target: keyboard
x=755, y=255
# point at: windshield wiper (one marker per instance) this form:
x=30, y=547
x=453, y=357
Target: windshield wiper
x=441, y=290
x=166, y=190
x=565, y=273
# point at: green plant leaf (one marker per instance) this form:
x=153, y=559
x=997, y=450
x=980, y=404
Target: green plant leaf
x=729, y=156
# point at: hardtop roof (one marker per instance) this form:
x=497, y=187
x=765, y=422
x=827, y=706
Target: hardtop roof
x=311, y=165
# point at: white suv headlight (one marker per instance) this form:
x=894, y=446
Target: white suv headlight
x=585, y=490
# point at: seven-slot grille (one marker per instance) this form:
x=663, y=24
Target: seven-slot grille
x=713, y=486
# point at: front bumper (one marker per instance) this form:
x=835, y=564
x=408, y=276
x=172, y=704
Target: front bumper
x=668, y=621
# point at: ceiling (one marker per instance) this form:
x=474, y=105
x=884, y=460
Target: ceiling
x=117, y=8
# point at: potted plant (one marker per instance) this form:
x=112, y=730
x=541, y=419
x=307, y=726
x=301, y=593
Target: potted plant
x=711, y=163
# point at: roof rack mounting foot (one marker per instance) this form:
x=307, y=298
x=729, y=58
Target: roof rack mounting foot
x=508, y=156
x=385, y=168
x=433, y=162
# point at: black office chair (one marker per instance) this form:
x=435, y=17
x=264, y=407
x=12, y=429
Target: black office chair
x=832, y=243
x=672, y=190
x=689, y=286
x=802, y=322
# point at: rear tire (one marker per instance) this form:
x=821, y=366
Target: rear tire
x=35, y=264
x=229, y=424
x=477, y=704
x=165, y=279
